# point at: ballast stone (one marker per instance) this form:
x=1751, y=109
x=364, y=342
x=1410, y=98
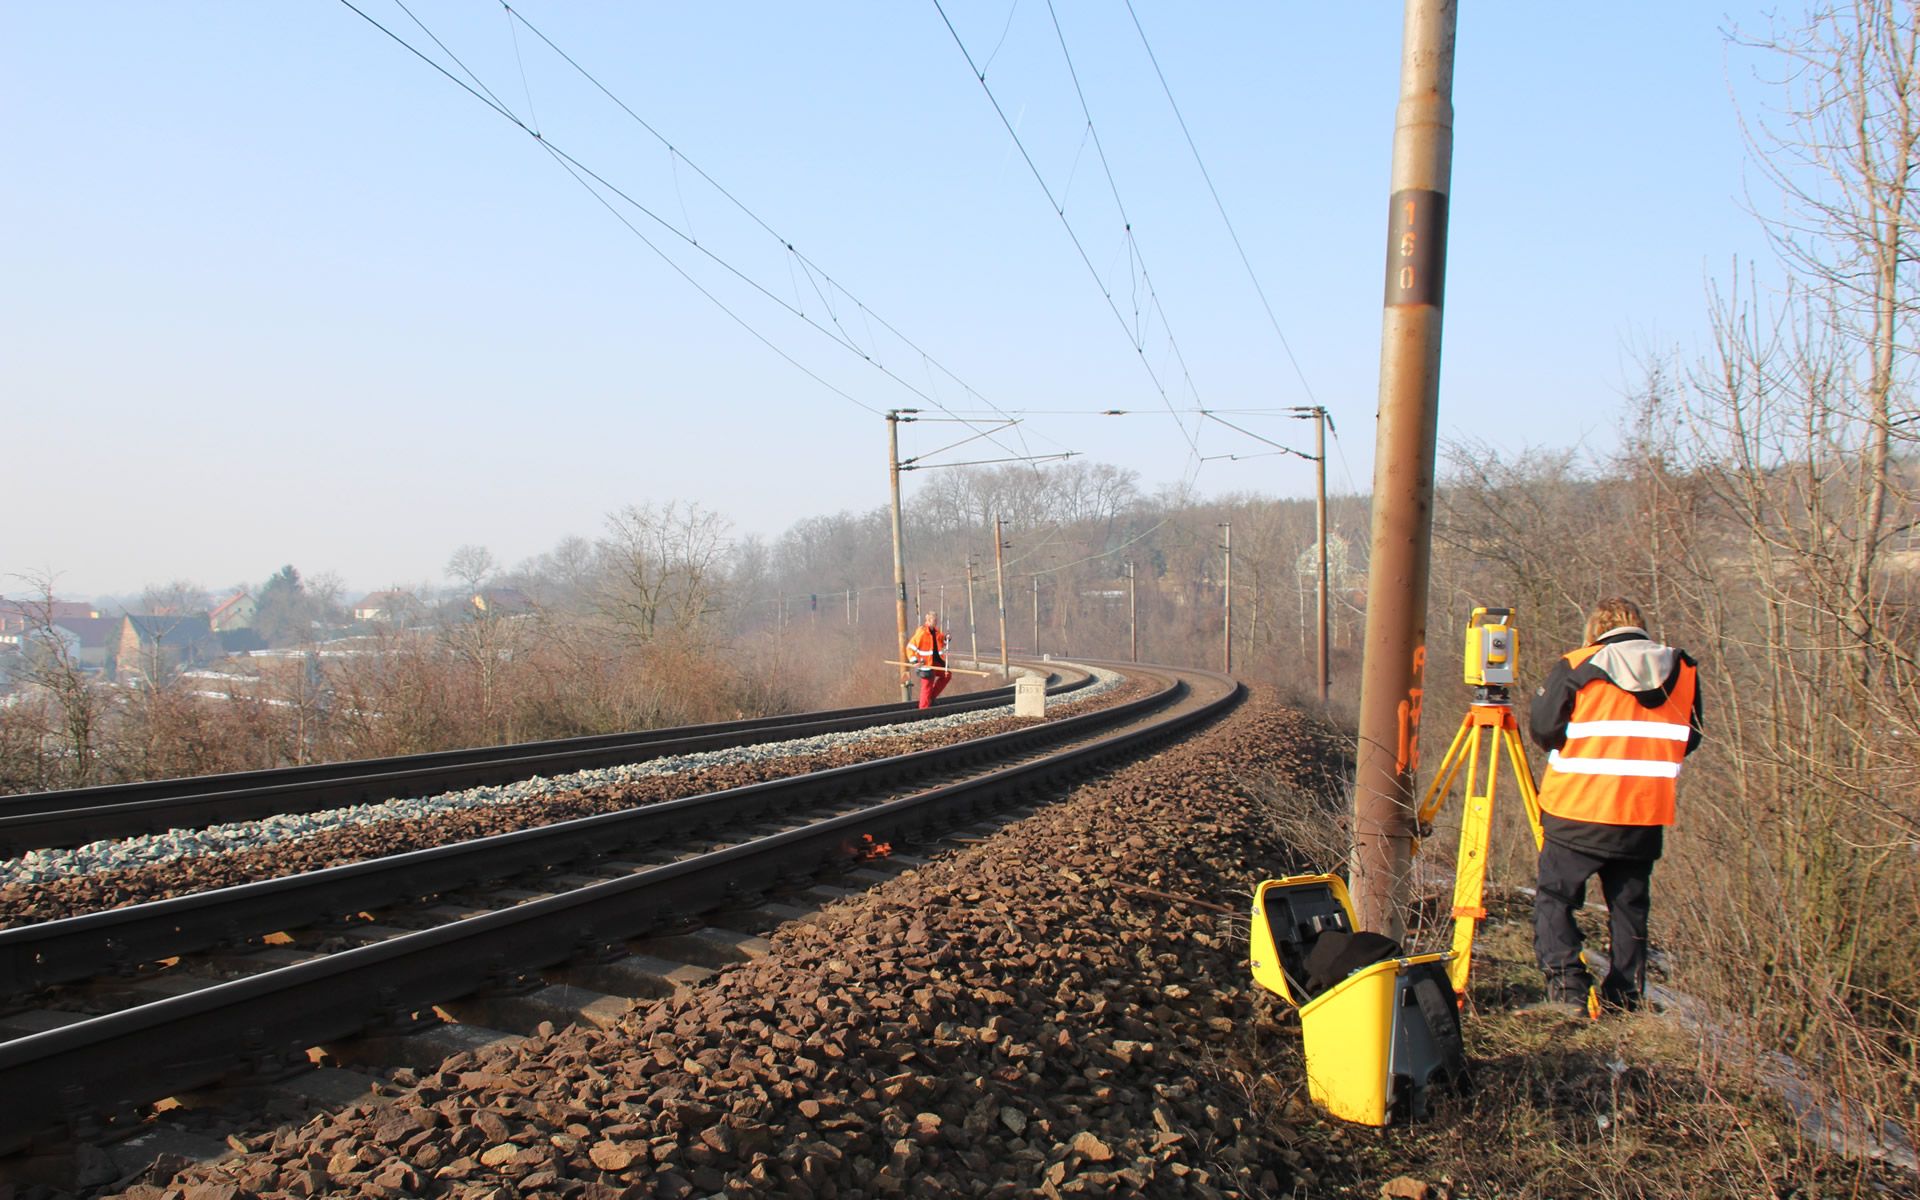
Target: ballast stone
x=117, y=854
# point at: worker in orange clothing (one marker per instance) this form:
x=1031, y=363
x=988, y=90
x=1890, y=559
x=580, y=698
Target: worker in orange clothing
x=927, y=653
x=1618, y=714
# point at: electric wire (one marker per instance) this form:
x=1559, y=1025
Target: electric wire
x=702, y=289
x=1208, y=413
x=807, y=265
x=581, y=172
x=1218, y=203
x=1120, y=412
x=493, y=102
x=1060, y=212
x=1136, y=257
x=1106, y=553
x=532, y=117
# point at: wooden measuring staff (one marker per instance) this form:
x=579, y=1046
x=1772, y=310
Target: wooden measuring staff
x=894, y=662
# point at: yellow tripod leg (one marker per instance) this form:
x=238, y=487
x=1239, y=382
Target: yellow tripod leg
x=1470, y=871
x=1523, y=773
x=1436, y=797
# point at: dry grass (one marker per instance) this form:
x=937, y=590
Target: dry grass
x=1638, y=1105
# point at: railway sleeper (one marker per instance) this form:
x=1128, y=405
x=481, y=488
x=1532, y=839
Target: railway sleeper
x=378, y=1021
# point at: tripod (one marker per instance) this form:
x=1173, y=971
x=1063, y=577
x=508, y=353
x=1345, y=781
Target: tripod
x=1489, y=722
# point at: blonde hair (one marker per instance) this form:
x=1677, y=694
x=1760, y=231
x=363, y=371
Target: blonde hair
x=1612, y=613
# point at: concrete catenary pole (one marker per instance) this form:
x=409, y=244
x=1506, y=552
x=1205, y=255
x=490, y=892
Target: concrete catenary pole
x=1392, y=673
x=894, y=417
x=1226, y=615
x=1000, y=589
x=1318, y=413
x=1133, y=618
x=1320, y=534
x=1036, y=615
x=973, y=631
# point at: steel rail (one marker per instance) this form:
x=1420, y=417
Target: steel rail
x=117, y=1062
x=42, y=820
x=113, y=940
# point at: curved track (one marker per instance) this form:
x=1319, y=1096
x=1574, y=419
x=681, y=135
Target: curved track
x=113, y=1063
x=40, y=820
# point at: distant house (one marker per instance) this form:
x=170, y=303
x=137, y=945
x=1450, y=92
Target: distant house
x=235, y=612
x=153, y=646
x=91, y=638
x=502, y=602
x=386, y=606
x=17, y=615
x=244, y=640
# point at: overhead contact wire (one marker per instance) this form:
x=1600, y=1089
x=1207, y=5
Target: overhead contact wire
x=566, y=162
x=807, y=264
x=1136, y=257
x=579, y=169
x=1060, y=212
x=1219, y=204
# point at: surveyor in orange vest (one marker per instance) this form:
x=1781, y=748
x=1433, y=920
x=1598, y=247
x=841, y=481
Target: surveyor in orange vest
x=927, y=651
x=1617, y=717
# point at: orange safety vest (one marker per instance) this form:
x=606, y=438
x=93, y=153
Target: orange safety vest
x=926, y=645
x=1621, y=759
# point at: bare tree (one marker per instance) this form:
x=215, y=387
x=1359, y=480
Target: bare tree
x=663, y=568
x=472, y=567
x=1776, y=506
x=74, y=706
x=1842, y=155
x=178, y=598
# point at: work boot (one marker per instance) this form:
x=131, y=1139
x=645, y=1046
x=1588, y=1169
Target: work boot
x=1620, y=1001
x=1567, y=1008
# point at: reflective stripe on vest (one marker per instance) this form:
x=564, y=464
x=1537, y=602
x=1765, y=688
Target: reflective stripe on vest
x=1620, y=759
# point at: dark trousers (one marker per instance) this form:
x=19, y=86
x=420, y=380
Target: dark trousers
x=932, y=684
x=1626, y=883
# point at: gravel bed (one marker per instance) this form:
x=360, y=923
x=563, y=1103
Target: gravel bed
x=1055, y=1011
x=47, y=885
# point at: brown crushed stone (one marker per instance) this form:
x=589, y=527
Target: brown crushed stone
x=1029, y=1016
x=25, y=904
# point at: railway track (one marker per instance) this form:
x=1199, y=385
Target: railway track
x=43, y=820
x=381, y=945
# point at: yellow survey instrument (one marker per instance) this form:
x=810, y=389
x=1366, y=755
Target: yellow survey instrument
x=1487, y=729
x=1493, y=646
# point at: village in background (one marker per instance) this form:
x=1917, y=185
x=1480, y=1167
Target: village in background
x=665, y=618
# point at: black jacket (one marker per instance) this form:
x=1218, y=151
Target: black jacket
x=1553, y=707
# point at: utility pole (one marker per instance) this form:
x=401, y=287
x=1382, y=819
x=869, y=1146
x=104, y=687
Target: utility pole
x=1036, y=614
x=1000, y=589
x=894, y=417
x=1133, y=619
x=1253, y=616
x=1226, y=623
x=1318, y=414
x=1393, y=669
x=973, y=631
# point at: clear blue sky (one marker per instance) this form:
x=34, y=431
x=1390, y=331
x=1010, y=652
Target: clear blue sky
x=276, y=291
